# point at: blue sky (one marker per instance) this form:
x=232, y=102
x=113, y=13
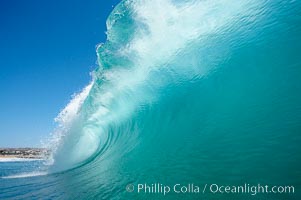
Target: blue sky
x=47, y=52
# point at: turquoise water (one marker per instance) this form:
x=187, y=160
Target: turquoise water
x=186, y=92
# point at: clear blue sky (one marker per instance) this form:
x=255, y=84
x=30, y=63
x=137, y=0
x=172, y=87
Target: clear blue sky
x=47, y=50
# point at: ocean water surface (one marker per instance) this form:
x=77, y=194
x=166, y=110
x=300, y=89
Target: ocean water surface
x=186, y=92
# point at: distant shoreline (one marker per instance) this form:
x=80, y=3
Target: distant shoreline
x=24, y=153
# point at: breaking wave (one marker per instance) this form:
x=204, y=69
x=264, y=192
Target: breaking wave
x=186, y=91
